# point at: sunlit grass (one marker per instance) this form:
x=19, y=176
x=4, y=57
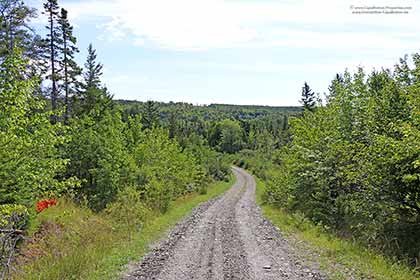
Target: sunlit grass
x=91, y=246
x=338, y=257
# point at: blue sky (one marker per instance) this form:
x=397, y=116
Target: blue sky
x=235, y=51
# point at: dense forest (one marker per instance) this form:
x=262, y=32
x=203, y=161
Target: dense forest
x=62, y=135
x=350, y=163
x=353, y=165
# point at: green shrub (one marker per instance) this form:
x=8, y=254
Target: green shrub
x=128, y=210
x=353, y=165
x=30, y=163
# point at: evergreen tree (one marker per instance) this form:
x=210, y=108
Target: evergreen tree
x=285, y=123
x=69, y=68
x=308, y=98
x=403, y=72
x=93, y=97
x=15, y=32
x=150, y=115
x=93, y=70
x=334, y=87
x=54, y=42
x=173, y=124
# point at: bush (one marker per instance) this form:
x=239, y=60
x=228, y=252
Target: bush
x=353, y=165
x=167, y=171
x=128, y=210
x=99, y=157
x=30, y=163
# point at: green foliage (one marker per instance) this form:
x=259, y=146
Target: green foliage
x=15, y=33
x=92, y=99
x=128, y=210
x=98, y=156
x=340, y=258
x=150, y=115
x=231, y=136
x=308, y=98
x=213, y=163
x=182, y=120
x=353, y=165
x=13, y=216
x=30, y=164
x=167, y=171
x=80, y=244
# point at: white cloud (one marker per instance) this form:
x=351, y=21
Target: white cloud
x=205, y=24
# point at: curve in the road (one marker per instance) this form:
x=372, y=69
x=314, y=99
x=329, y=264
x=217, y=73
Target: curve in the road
x=224, y=238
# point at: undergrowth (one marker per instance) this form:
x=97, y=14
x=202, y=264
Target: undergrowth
x=338, y=257
x=72, y=242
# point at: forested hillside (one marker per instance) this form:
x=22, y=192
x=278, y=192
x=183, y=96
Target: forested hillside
x=79, y=169
x=352, y=166
x=65, y=141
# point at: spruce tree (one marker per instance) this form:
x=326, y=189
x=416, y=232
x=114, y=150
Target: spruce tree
x=308, y=98
x=173, y=123
x=150, y=115
x=15, y=32
x=334, y=87
x=54, y=42
x=403, y=73
x=68, y=66
x=93, y=70
x=93, y=96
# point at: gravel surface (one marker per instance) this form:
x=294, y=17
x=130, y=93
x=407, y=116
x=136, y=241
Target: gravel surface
x=224, y=238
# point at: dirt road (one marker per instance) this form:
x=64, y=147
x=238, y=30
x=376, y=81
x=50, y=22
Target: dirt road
x=225, y=238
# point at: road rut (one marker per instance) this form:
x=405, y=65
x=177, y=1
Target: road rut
x=224, y=238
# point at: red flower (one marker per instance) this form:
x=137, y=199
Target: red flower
x=44, y=204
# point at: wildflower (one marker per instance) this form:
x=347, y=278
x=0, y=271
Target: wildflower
x=44, y=204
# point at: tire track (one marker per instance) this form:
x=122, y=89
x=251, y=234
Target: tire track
x=224, y=238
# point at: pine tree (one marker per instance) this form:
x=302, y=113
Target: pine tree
x=150, y=115
x=308, y=98
x=92, y=76
x=403, y=72
x=173, y=123
x=285, y=123
x=93, y=96
x=69, y=68
x=334, y=87
x=51, y=9
x=15, y=32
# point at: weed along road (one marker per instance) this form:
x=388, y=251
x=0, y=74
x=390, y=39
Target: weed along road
x=225, y=238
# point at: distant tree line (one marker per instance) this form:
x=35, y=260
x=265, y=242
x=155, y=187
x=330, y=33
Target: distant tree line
x=61, y=134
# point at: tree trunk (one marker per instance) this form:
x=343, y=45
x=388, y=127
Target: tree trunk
x=53, y=76
x=66, y=81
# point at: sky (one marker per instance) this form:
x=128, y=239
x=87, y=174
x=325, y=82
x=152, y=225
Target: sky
x=236, y=51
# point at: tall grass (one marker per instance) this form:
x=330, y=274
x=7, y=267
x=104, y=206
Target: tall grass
x=340, y=258
x=72, y=242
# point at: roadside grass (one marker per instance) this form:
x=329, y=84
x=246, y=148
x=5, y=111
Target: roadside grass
x=72, y=242
x=337, y=257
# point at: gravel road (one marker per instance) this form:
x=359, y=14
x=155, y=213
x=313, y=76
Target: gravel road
x=224, y=238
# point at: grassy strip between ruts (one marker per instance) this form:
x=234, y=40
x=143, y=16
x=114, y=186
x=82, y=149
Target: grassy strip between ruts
x=87, y=246
x=340, y=259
